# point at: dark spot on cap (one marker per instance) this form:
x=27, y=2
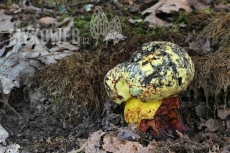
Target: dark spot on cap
x=179, y=81
x=144, y=63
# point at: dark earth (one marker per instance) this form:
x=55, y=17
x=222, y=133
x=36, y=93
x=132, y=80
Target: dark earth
x=47, y=125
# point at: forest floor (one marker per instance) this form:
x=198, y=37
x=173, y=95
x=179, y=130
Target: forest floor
x=64, y=107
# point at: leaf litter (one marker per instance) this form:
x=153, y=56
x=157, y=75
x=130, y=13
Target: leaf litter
x=75, y=84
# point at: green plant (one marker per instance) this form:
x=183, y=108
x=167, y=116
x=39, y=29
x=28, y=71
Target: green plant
x=57, y=103
x=9, y=2
x=63, y=17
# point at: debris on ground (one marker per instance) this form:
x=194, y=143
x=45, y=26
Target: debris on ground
x=56, y=84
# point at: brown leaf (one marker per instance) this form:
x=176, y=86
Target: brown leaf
x=47, y=20
x=201, y=45
x=152, y=17
x=199, y=4
x=168, y=6
x=223, y=112
x=116, y=145
x=213, y=124
x=94, y=142
x=165, y=6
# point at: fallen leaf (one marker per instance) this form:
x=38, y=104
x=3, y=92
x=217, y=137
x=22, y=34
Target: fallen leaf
x=213, y=124
x=152, y=18
x=3, y=135
x=131, y=3
x=47, y=20
x=48, y=140
x=199, y=4
x=66, y=20
x=6, y=25
x=67, y=46
x=3, y=149
x=168, y=6
x=94, y=143
x=183, y=136
x=116, y=145
x=223, y=113
x=26, y=53
x=12, y=148
x=201, y=45
x=124, y=134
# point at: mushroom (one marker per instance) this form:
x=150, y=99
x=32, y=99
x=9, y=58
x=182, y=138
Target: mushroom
x=150, y=83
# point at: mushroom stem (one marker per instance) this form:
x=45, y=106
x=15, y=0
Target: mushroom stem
x=136, y=110
x=166, y=120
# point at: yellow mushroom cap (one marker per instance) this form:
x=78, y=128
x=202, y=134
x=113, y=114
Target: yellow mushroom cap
x=155, y=72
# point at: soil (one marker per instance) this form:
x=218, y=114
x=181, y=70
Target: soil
x=42, y=129
x=49, y=126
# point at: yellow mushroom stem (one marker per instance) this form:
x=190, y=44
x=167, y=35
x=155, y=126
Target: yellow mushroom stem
x=136, y=110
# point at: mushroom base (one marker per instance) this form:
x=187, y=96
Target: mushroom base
x=166, y=120
x=136, y=110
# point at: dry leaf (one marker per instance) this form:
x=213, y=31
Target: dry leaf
x=151, y=18
x=168, y=6
x=200, y=109
x=19, y=63
x=2, y=149
x=13, y=148
x=201, y=45
x=26, y=4
x=66, y=20
x=115, y=145
x=213, y=124
x=124, y=134
x=68, y=46
x=131, y=3
x=94, y=142
x=3, y=135
x=223, y=113
x=199, y=4
x=5, y=22
x=47, y=20
x=181, y=135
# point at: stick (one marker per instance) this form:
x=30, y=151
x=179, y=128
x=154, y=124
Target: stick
x=5, y=101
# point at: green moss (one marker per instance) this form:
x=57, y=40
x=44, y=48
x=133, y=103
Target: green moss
x=57, y=102
x=63, y=17
x=83, y=24
x=208, y=10
x=156, y=31
x=9, y=2
x=21, y=25
x=181, y=19
x=40, y=3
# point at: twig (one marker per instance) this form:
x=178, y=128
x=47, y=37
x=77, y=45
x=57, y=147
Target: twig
x=82, y=147
x=107, y=114
x=117, y=3
x=5, y=101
